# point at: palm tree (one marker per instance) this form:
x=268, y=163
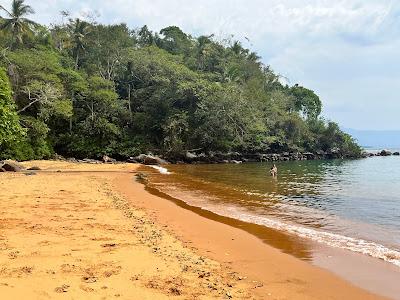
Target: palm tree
x=78, y=32
x=16, y=22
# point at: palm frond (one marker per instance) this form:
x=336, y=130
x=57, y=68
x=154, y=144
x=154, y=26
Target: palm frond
x=7, y=12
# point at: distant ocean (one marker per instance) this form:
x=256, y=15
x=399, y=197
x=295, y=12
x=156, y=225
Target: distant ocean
x=376, y=139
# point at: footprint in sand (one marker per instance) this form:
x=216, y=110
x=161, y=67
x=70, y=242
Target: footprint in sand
x=62, y=289
x=13, y=254
x=86, y=288
x=89, y=279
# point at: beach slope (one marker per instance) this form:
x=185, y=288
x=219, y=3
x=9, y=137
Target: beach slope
x=89, y=231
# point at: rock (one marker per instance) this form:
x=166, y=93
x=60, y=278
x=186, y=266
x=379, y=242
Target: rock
x=59, y=157
x=132, y=160
x=107, y=159
x=90, y=161
x=30, y=173
x=148, y=159
x=34, y=168
x=236, y=162
x=12, y=166
x=385, y=153
x=141, y=176
x=396, y=153
x=190, y=155
x=309, y=155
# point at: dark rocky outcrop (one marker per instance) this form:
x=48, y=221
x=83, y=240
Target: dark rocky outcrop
x=12, y=166
x=214, y=157
x=149, y=159
x=396, y=153
x=385, y=153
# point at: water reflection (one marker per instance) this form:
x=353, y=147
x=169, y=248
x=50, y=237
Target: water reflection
x=351, y=198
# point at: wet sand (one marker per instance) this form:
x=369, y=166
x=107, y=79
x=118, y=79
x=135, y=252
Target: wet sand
x=92, y=232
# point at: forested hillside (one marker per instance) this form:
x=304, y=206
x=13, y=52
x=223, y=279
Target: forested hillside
x=84, y=89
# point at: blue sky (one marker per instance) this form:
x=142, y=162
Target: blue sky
x=348, y=52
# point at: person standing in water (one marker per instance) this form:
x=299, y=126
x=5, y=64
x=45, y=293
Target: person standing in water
x=274, y=170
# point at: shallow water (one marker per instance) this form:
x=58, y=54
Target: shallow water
x=347, y=204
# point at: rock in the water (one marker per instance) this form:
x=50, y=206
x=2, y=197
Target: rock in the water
x=385, y=153
x=12, y=166
x=396, y=153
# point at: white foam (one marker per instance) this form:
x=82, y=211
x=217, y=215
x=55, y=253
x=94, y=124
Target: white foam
x=162, y=170
x=370, y=248
x=331, y=239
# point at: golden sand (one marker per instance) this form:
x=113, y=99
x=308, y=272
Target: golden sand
x=82, y=231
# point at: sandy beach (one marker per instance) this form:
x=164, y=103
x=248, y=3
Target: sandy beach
x=88, y=231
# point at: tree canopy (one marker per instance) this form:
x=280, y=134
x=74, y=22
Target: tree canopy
x=85, y=89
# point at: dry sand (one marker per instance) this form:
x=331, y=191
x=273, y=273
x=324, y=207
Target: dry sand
x=91, y=232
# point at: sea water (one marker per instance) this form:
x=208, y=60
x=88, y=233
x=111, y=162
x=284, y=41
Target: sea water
x=347, y=204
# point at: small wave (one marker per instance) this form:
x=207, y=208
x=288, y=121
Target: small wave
x=331, y=239
x=162, y=170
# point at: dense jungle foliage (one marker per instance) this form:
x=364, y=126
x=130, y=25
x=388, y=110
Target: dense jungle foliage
x=84, y=89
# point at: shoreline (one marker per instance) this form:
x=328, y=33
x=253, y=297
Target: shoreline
x=91, y=231
x=367, y=272
x=281, y=275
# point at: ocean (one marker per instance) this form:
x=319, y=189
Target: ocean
x=349, y=205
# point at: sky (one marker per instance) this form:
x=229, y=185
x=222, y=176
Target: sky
x=347, y=51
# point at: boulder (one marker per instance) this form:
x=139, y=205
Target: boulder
x=236, y=162
x=385, y=153
x=396, y=153
x=90, y=161
x=148, y=159
x=106, y=159
x=190, y=156
x=366, y=154
x=234, y=155
x=59, y=157
x=34, y=168
x=309, y=155
x=12, y=166
x=132, y=160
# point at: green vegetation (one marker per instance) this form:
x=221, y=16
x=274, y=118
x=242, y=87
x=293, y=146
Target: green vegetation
x=85, y=90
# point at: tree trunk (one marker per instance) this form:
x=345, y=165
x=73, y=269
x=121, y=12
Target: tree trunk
x=77, y=60
x=70, y=119
x=129, y=99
